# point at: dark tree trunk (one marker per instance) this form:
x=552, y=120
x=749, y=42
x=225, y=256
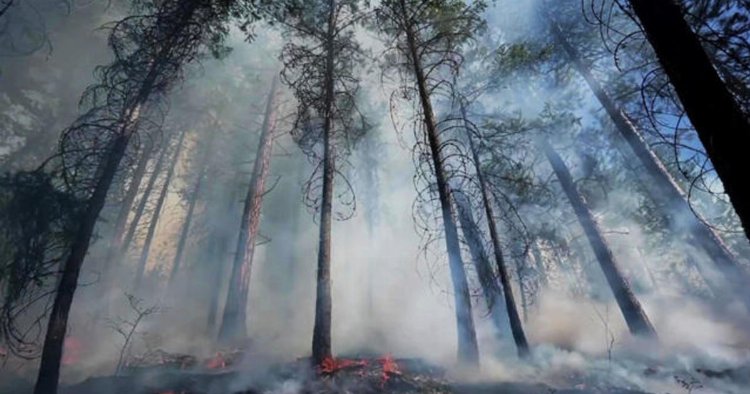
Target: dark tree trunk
x=491, y=291
x=218, y=245
x=118, y=232
x=468, y=350
x=192, y=201
x=720, y=123
x=49, y=368
x=321, y=340
x=141, y=207
x=5, y=6
x=127, y=203
x=156, y=215
x=662, y=188
x=634, y=315
x=52, y=349
x=519, y=336
x=233, y=326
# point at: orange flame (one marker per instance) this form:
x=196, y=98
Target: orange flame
x=331, y=365
x=217, y=362
x=390, y=367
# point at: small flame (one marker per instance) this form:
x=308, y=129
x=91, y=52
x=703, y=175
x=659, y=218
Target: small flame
x=390, y=367
x=217, y=362
x=331, y=365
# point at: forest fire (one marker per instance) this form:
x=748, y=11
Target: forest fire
x=387, y=365
x=216, y=362
x=199, y=215
x=389, y=368
x=332, y=365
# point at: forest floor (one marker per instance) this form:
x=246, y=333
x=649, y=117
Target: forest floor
x=229, y=373
x=355, y=375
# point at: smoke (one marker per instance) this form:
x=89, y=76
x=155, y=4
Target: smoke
x=387, y=299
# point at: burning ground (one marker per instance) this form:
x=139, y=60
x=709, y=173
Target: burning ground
x=549, y=371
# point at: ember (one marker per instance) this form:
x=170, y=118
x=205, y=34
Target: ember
x=388, y=365
x=389, y=368
x=331, y=365
x=217, y=362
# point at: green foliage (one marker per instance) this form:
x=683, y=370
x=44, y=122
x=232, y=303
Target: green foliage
x=318, y=32
x=37, y=222
x=32, y=213
x=517, y=58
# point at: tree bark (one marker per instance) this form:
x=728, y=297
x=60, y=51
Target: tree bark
x=468, y=350
x=490, y=289
x=516, y=327
x=720, y=123
x=233, y=326
x=635, y=317
x=321, y=340
x=663, y=188
x=156, y=215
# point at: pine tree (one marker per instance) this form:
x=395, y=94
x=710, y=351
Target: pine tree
x=233, y=325
x=428, y=35
x=151, y=49
x=635, y=316
x=722, y=127
x=319, y=66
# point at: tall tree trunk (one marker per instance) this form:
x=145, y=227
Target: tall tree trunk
x=634, y=315
x=193, y=199
x=49, y=366
x=233, y=326
x=218, y=245
x=156, y=215
x=321, y=340
x=490, y=289
x=468, y=350
x=663, y=188
x=141, y=207
x=127, y=203
x=116, y=241
x=516, y=327
x=118, y=232
x=721, y=125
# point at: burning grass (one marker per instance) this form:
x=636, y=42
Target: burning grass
x=229, y=373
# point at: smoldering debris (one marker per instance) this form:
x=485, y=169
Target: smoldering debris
x=186, y=375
